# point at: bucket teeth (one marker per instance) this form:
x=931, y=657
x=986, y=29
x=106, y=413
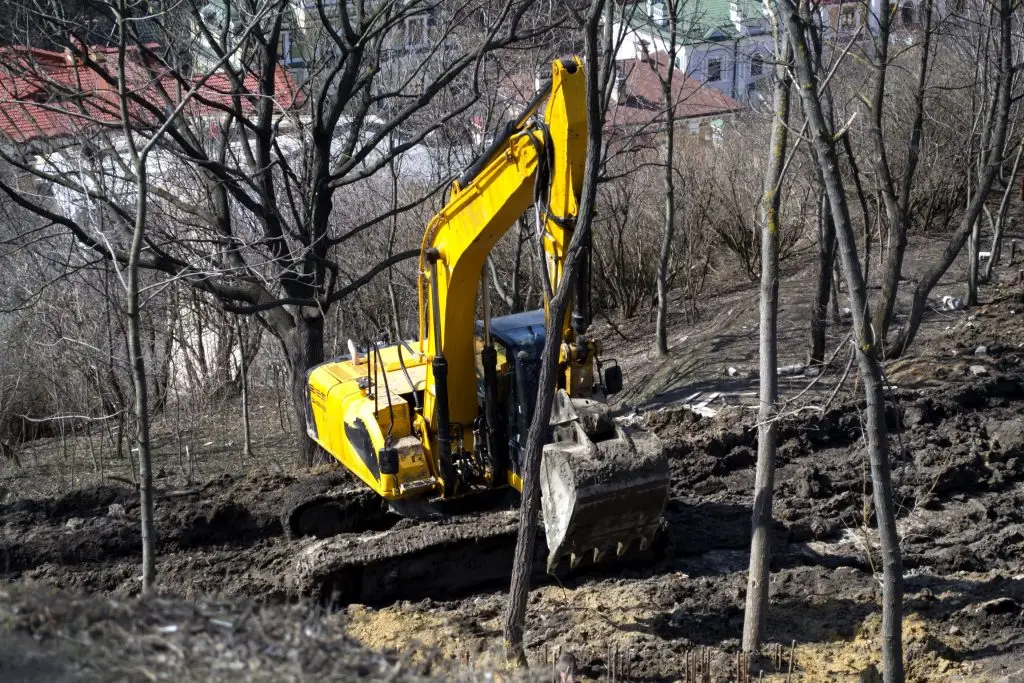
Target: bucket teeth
x=598, y=554
x=574, y=560
x=622, y=548
x=645, y=543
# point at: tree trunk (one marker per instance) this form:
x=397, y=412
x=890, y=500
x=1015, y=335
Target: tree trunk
x=243, y=372
x=767, y=430
x=138, y=364
x=833, y=305
x=973, y=256
x=661, y=323
x=822, y=294
x=304, y=345
x=1000, y=222
x=515, y=615
x=823, y=144
x=668, y=235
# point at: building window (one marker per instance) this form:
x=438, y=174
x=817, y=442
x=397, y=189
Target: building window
x=658, y=12
x=757, y=64
x=907, y=15
x=848, y=19
x=693, y=127
x=416, y=31
x=714, y=70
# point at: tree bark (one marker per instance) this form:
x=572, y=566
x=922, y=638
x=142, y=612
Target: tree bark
x=999, y=226
x=515, y=615
x=823, y=142
x=668, y=233
x=138, y=363
x=661, y=322
x=767, y=430
x=304, y=347
x=973, y=257
x=823, y=291
x=897, y=208
x=243, y=372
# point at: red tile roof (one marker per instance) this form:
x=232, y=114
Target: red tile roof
x=640, y=103
x=46, y=94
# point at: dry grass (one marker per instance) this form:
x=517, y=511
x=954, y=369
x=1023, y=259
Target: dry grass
x=191, y=443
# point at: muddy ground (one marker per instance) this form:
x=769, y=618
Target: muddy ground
x=959, y=476
x=431, y=593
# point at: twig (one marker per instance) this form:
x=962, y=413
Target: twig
x=839, y=384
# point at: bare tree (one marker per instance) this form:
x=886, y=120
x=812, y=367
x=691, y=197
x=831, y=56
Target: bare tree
x=767, y=430
x=999, y=220
x=140, y=147
x=896, y=198
x=993, y=118
x=673, y=10
x=823, y=142
x=599, y=67
x=260, y=178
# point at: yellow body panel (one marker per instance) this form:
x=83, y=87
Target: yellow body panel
x=351, y=425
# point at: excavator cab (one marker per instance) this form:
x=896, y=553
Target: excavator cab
x=518, y=340
x=603, y=486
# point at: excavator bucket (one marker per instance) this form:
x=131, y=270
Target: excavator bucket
x=603, y=487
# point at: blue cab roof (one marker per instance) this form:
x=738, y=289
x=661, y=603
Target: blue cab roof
x=518, y=331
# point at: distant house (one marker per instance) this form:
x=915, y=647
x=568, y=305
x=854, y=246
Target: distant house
x=304, y=38
x=638, y=103
x=60, y=114
x=728, y=44
x=66, y=97
x=723, y=44
x=637, y=107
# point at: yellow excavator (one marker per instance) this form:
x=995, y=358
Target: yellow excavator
x=446, y=415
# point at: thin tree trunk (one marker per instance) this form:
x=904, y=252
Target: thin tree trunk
x=973, y=258
x=138, y=364
x=134, y=315
x=834, y=301
x=668, y=234
x=825, y=284
x=823, y=143
x=515, y=615
x=991, y=159
x=396, y=317
x=767, y=430
x=897, y=208
x=521, y=238
x=243, y=371
x=1000, y=221
x=661, y=321
x=304, y=345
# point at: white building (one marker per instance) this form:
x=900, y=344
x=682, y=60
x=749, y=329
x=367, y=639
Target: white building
x=724, y=44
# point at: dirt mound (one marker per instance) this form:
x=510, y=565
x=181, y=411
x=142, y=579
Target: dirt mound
x=90, y=502
x=100, y=525
x=57, y=636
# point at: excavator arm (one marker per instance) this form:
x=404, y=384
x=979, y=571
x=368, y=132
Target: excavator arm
x=459, y=239
x=602, y=488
